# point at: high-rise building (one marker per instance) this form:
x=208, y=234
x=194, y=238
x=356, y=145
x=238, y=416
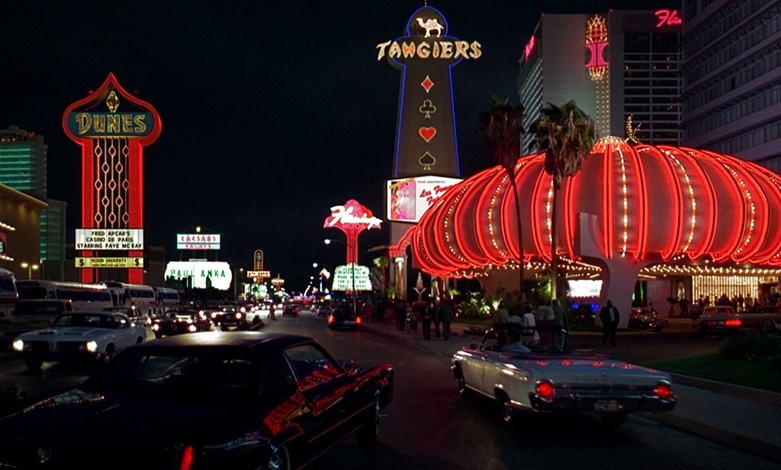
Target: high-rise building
x=732, y=78
x=23, y=167
x=613, y=65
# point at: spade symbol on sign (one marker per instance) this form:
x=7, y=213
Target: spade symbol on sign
x=427, y=161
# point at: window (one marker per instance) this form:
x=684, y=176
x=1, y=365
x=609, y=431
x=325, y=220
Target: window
x=311, y=365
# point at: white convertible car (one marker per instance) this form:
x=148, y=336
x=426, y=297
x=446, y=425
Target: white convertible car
x=538, y=379
x=91, y=336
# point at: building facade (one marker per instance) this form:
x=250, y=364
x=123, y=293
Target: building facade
x=23, y=167
x=614, y=65
x=732, y=78
x=20, y=220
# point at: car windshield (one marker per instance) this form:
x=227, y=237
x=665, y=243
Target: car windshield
x=92, y=321
x=186, y=376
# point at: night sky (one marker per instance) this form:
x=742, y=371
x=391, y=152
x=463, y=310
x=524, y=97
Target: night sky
x=272, y=111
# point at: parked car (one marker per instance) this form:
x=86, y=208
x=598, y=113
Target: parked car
x=324, y=309
x=79, y=336
x=646, y=318
x=220, y=400
x=536, y=379
x=179, y=321
x=724, y=319
x=343, y=318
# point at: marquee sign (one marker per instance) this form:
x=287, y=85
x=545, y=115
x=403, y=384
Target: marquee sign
x=343, y=278
x=197, y=241
x=109, y=262
x=407, y=199
x=99, y=239
x=112, y=127
x=218, y=274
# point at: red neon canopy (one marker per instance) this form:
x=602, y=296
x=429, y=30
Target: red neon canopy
x=652, y=203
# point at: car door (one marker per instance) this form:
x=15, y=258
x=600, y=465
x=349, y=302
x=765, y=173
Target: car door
x=332, y=399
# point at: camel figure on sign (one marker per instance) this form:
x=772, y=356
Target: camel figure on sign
x=431, y=25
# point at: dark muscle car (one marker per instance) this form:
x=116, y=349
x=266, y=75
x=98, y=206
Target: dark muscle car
x=221, y=400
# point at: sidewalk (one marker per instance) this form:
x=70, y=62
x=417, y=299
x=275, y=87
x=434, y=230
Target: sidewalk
x=742, y=418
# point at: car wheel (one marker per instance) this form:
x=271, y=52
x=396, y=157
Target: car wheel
x=505, y=408
x=280, y=459
x=33, y=363
x=108, y=355
x=370, y=429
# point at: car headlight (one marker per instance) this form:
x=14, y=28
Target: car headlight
x=18, y=345
x=214, y=315
x=192, y=328
x=155, y=327
x=92, y=346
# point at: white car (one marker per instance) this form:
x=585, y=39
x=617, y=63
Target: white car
x=74, y=336
x=537, y=379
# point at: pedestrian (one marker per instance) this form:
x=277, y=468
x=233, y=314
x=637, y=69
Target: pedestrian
x=446, y=316
x=545, y=321
x=529, y=330
x=401, y=315
x=437, y=319
x=428, y=316
x=271, y=315
x=610, y=318
x=561, y=321
x=502, y=314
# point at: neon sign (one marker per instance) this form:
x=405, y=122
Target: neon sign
x=425, y=50
x=351, y=218
x=596, y=43
x=668, y=18
x=527, y=50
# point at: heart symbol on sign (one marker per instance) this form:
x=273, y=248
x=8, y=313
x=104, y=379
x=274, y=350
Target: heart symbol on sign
x=427, y=133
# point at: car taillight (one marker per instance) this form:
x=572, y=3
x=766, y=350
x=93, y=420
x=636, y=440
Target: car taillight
x=187, y=458
x=664, y=391
x=358, y=320
x=330, y=319
x=733, y=323
x=546, y=390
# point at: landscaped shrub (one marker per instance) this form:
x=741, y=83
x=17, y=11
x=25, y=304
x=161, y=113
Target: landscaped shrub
x=755, y=348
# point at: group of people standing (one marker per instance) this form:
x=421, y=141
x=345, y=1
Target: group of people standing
x=438, y=314
x=546, y=325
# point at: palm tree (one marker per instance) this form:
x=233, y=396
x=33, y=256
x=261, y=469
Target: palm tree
x=501, y=126
x=566, y=135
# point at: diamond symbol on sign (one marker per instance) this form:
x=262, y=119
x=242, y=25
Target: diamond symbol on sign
x=427, y=84
x=112, y=101
x=427, y=109
x=427, y=161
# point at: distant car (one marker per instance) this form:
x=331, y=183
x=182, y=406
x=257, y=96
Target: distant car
x=176, y=322
x=29, y=315
x=551, y=380
x=645, y=318
x=343, y=318
x=323, y=310
x=290, y=310
x=79, y=336
x=219, y=400
x=224, y=317
x=724, y=319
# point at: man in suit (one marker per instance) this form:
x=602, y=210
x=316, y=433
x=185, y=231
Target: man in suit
x=610, y=318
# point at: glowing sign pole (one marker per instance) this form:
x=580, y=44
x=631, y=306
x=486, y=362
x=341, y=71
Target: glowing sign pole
x=112, y=127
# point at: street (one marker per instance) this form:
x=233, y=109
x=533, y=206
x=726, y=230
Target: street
x=429, y=426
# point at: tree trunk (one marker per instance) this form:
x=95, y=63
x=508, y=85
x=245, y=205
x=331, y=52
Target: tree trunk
x=554, y=259
x=521, y=293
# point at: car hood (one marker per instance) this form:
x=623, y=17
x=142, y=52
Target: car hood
x=79, y=413
x=70, y=331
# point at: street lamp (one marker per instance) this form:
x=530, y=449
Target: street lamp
x=328, y=241
x=30, y=268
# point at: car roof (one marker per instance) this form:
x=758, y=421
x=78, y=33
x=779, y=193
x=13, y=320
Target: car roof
x=227, y=339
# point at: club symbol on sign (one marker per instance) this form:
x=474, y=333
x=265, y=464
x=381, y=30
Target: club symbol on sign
x=427, y=109
x=427, y=161
x=427, y=133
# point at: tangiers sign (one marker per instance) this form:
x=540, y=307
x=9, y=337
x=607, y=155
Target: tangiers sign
x=426, y=135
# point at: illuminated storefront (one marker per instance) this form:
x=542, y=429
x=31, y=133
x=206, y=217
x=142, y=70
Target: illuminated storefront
x=633, y=211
